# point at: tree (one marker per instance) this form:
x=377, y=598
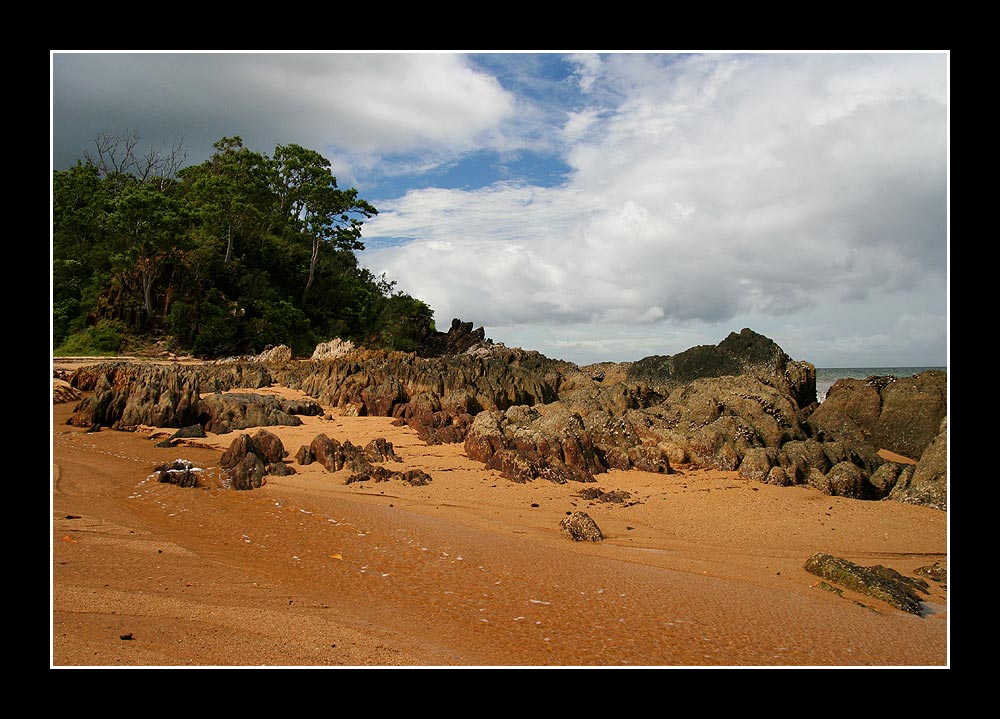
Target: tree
x=231, y=191
x=311, y=205
x=149, y=229
x=80, y=204
x=229, y=255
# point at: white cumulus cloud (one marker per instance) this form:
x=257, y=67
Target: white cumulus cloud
x=714, y=188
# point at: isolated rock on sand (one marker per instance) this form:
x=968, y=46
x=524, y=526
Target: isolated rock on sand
x=189, y=432
x=581, y=528
x=279, y=469
x=334, y=456
x=271, y=448
x=877, y=581
x=380, y=450
x=414, y=477
x=237, y=450
x=596, y=494
x=180, y=472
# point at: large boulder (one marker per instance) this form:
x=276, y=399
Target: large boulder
x=239, y=448
x=799, y=457
x=928, y=483
x=912, y=411
x=248, y=459
x=845, y=479
x=270, y=445
x=249, y=473
x=758, y=463
x=902, y=415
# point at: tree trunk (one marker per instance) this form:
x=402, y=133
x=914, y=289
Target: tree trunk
x=312, y=268
x=148, y=274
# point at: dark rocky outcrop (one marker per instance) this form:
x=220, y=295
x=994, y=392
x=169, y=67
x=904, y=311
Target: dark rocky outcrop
x=580, y=527
x=459, y=338
x=935, y=572
x=224, y=412
x=127, y=394
x=379, y=450
x=746, y=353
x=279, y=469
x=877, y=581
x=742, y=405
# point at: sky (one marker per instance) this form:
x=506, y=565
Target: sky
x=597, y=206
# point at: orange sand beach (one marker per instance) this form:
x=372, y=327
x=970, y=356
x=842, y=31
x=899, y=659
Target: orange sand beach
x=700, y=568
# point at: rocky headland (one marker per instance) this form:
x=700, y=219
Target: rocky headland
x=742, y=405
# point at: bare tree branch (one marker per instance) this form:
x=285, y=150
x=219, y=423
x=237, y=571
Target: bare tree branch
x=117, y=154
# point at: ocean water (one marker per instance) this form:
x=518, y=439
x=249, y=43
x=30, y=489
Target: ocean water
x=826, y=376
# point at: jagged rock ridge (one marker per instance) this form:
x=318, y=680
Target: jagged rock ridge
x=741, y=405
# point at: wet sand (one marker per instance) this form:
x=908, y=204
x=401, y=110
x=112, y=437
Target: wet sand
x=698, y=568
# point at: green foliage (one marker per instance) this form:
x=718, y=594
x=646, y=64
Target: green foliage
x=405, y=323
x=107, y=337
x=282, y=323
x=228, y=256
x=218, y=329
x=64, y=313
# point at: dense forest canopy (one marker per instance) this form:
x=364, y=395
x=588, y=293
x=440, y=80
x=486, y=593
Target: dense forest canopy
x=227, y=257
